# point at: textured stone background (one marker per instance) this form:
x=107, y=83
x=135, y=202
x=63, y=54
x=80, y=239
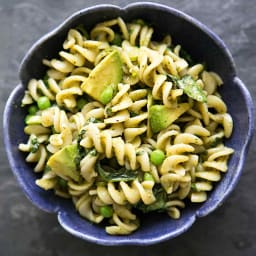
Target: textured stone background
x=26, y=230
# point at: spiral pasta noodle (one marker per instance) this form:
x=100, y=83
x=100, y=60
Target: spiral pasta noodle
x=122, y=123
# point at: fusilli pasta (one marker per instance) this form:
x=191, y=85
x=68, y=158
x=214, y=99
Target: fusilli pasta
x=147, y=136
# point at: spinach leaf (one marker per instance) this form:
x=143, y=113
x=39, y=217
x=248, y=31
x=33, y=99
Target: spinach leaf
x=45, y=80
x=133, y=114
x=194, y=188
x=82, y=30
x=190, y=87
x=34, y=145
x=108, y=173
x=215, y=142
x=79, y=138
x=47, y=169
x=63, y=184
x=81, y=150
x=117, y=39
x=109, y=112
x=185, y=55
x=93, y=152
x=160, y=203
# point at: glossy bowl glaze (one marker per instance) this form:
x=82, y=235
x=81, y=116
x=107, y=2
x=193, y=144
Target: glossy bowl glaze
x=202, y=45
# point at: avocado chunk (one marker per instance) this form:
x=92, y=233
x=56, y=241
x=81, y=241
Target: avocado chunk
x=63, y=162
x=102, y=82
x=160, y=116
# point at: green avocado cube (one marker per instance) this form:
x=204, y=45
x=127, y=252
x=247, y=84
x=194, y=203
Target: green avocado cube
x=161, y=117
x=63, y=163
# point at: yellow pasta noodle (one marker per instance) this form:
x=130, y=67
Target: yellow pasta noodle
x=122, y=123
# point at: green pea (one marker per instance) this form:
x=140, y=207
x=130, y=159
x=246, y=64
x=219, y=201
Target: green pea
x=106, y=211
x=157, y=156
x=43, y=102
x=148, y=177
x=81, y=102
x=107, y=95
x=32, y=109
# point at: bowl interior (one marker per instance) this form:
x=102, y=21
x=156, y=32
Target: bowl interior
x=203, y=46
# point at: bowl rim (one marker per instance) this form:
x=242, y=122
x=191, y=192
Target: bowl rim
x=125, y=240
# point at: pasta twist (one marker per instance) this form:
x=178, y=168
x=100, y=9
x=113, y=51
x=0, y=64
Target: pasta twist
x=38, y=88
x=122, y=226
x=84, y=204
x=128, y=193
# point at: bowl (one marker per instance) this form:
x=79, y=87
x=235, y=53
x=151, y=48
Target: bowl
x=202, y=44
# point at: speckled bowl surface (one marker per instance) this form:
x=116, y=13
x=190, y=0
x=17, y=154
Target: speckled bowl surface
x=203, y=45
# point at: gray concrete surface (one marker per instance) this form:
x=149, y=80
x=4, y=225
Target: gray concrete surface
x=26, y=230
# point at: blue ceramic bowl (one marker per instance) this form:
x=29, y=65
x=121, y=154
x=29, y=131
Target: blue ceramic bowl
x=203, y=45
